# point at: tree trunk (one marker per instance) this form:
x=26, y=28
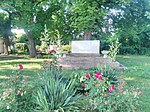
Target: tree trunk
x=87, y=36
x=6, y=44
x=32, y=49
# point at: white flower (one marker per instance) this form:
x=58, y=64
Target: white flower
x=7, y=107
x=82, y=79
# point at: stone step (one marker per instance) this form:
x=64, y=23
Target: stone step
x=87, y=62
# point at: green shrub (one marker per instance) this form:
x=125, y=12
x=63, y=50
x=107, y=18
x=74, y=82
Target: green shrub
x=21, y=47
x=134, y=50
x=106, y=93
x=66, y=48
x=114, y=49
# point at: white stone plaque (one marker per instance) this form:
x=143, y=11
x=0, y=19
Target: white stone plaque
x=85, y=47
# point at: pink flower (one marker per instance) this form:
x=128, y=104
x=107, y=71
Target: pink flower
x=121, y=91
x=18, y=92
x=83, y=85
x=50, y=62
x=7, y=92
x=140, y=92
x=98, y=73
x=87, y=76
x=20, y=67
x=111, y=88
x=86, y=93
x=24, y=81
x=98, y=76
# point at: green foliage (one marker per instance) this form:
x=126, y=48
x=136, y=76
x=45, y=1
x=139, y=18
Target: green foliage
x=21, y=47
x=57, y=94
x=114, y=49
x=87, y=15
x=4, y=22
x=66, y=48
x=132, y=26
x=133, y=50
x=105, y=93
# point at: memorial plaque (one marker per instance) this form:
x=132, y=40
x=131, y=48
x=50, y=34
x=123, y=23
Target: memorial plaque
x=85, y=47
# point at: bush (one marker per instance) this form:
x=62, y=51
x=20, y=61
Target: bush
x=66, y=48
x=133, y=50
x=21, y=47
x=105, y=93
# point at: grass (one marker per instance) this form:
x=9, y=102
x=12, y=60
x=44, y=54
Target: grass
x=137, y=74
x=7, y=64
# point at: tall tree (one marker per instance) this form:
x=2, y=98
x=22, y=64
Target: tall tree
x=31, y=15
x=88, y=16
x=132, y=25
x=5, y=28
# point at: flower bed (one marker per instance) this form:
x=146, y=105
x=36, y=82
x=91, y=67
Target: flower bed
x=100, y=90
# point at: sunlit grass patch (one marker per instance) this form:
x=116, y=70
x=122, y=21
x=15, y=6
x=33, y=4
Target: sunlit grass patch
x=129, y=78
x=3, y=77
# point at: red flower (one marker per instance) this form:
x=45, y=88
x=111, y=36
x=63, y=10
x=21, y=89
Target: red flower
x=98, y=76
x=87, y=76
x=113, y=87
x=52, y=51
x=98, y=73
x=83, y=85
x=20, y=67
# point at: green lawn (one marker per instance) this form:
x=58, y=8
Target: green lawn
x=8, y=64
x=137, y=73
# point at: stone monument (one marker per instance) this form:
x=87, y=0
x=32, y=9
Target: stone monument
x=85, y=48
x=85, y=55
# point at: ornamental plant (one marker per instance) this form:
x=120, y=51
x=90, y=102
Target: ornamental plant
x=57, y=93
x=104, y=95
x=54, y=60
